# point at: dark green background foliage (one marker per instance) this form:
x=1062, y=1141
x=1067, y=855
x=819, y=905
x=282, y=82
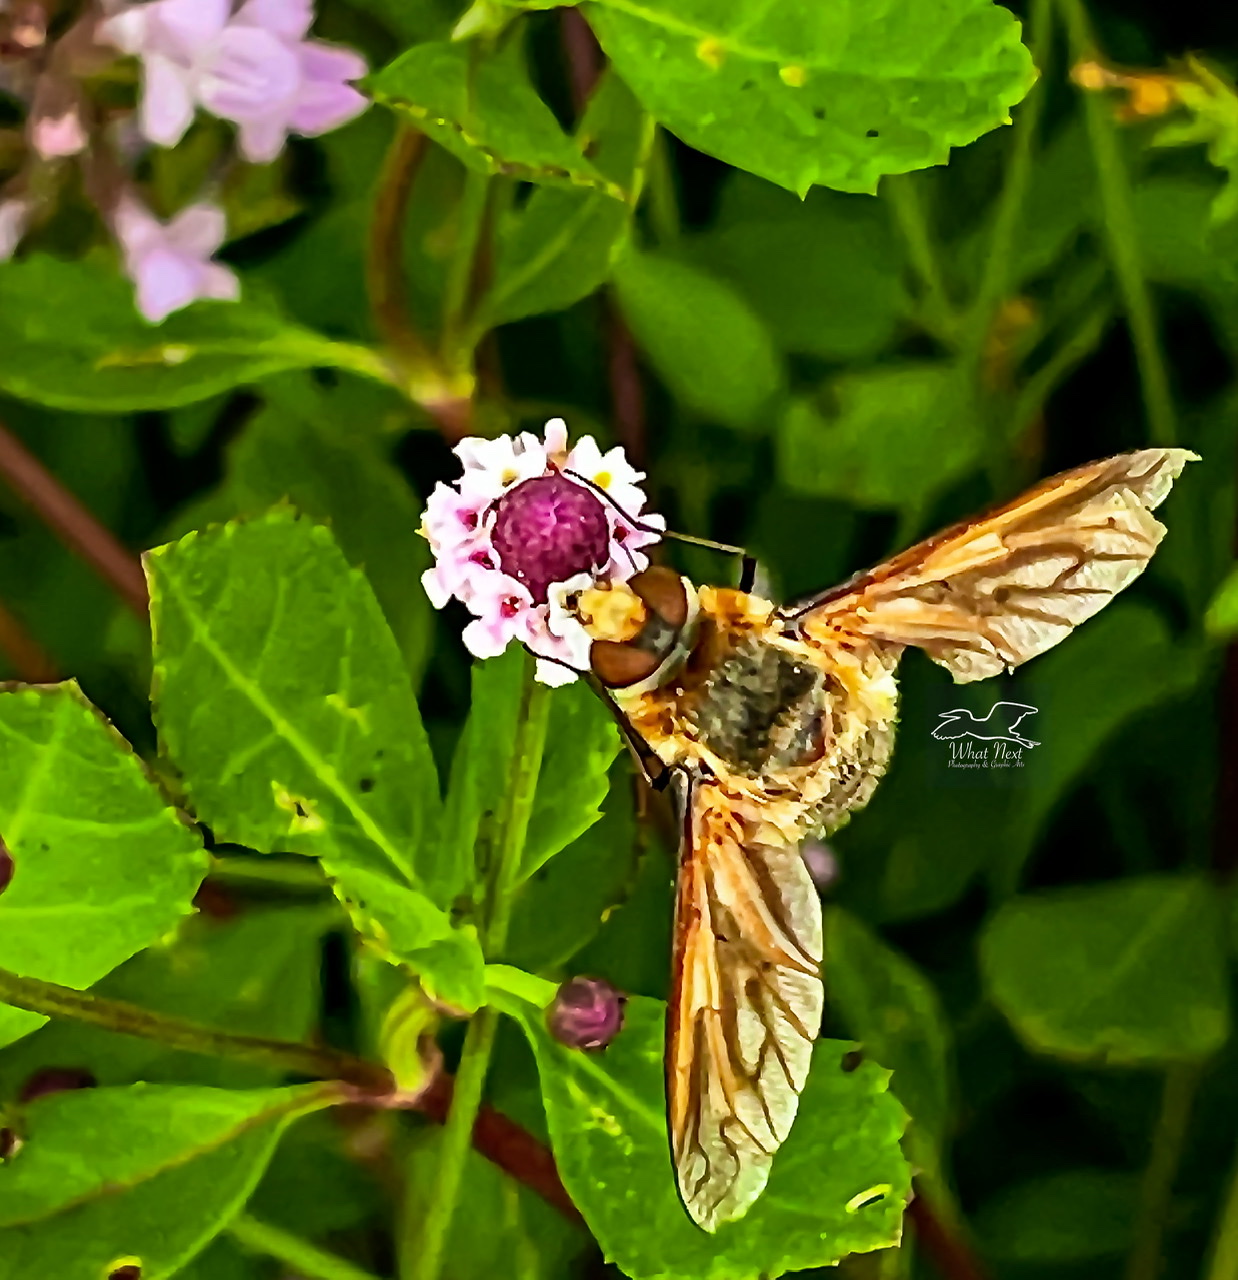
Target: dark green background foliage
x=789, y=256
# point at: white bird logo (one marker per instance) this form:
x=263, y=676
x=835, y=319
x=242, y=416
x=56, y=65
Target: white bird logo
x=960, y=723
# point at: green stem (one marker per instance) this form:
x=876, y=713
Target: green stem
x=1156, y=1189
x=306, y=1259
x=1223, y=1264
x=424, y=1246
x=664, y=219
x=912, y=223
x=462, y=266
x=36, y=996
x=1079, y=344
x=995, y=274
x=1123, y=237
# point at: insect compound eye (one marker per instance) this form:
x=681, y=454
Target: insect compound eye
x=663, y=591
x=619, y=665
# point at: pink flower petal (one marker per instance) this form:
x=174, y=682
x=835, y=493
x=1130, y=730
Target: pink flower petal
x=182, y=28
x=136, y=227
x=54, y=136
x=320, y=61
x=166, y=282
x=219, y=282
x=127, y=30
x=321, y=107
x=167, y=100
x=251, y=75
x=485, y=639
x=198, y=230
x=288, y=18
x=262, y=139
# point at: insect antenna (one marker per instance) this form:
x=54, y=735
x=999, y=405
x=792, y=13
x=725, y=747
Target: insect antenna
x=748, y=565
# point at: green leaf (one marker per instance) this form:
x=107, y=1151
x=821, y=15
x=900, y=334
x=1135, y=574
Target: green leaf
x=108, y=358
x=824, y=274
x=581, y=742
x=1222, y=619
x=405, y=928
x=563, y=904
x=560, y=245
x=893, y=1010
x=483, y=109
x=804, y=93
x=1126, y=973
x=524, y=1238
x=896, y=436
x=256, y=973
x=99, y=855
x=147, y=1174
x=838, y=1185
x=1072, y=1216
x=282, y=699
x=705, y=342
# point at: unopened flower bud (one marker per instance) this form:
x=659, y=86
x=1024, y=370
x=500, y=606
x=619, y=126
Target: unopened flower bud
x=6, y=867
x=56, y=1080
x=587, y=1013
x=130, y=1271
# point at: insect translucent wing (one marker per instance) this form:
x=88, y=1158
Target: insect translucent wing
x=745, y=1006
x=993, y=592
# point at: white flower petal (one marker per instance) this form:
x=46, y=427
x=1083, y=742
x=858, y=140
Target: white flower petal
x=554, y=675
x=435, y=588
x=482, y=640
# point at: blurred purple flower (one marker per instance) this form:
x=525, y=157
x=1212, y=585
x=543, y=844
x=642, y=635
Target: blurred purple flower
x=254, y=67
x=14, y=215
x=822, y=863
x=587, y=1013
x=53, y=136
x=170, y=263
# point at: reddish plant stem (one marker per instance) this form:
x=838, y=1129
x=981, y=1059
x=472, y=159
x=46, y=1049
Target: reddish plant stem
x=26, y=656
x=508, y=1146
x=950, y=1255
x=584, y=57
x=72, y=523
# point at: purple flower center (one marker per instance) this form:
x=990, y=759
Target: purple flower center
x=549, y=529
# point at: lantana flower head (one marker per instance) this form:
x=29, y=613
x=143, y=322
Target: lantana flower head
x=530, y=523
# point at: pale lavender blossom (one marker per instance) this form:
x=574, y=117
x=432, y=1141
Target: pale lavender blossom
x=253, y=66
x=14, y=215
x=170, y=263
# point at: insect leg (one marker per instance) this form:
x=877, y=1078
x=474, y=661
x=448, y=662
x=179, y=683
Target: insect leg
x=657, y=773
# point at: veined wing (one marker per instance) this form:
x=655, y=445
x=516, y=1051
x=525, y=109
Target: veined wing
x=990, y=593
x=745, y=1006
